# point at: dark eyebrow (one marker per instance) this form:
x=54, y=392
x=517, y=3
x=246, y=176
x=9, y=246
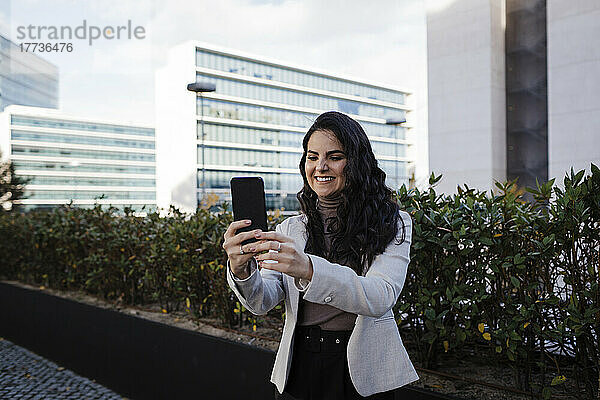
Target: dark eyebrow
x=328, y=153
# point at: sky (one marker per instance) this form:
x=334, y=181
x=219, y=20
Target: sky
x=382, y=41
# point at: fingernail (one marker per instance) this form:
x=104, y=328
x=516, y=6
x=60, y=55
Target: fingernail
x=247, y=222
x=251, y=249
x=258, y=234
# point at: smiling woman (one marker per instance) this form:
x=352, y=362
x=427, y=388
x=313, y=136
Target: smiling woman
x=339, y=266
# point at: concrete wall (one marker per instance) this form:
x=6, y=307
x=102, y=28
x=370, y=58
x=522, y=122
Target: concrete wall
x=573, y=85
x=467, y=107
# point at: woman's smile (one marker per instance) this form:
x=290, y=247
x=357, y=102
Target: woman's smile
x=324, y=179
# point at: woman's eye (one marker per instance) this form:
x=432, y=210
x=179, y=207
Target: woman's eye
x=312, y=158
x=336, y=158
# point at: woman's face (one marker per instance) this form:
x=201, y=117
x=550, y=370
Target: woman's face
x=325, y=162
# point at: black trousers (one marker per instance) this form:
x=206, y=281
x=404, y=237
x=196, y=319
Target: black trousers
x=320, y=368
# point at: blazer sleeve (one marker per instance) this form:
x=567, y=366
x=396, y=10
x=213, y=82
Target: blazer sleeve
x=370, y=295
x=262, y=290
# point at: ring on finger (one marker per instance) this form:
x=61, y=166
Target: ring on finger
x=278, y=246
x=241, y=250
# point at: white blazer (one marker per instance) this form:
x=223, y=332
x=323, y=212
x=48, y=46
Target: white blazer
x=377, y=359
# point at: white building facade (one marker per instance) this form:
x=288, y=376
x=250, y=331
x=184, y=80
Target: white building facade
x=26, y=78
x=514, y=90
x=466, y=93
x=75, y=160
x=573, y=85
x=254, y=122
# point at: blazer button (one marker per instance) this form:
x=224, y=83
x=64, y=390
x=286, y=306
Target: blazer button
x=327, y=299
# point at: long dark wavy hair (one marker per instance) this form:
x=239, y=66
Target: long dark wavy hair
x=367, y=218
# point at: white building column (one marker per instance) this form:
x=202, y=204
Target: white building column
x=176, y=145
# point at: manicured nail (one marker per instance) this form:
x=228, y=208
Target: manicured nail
x=247, y=222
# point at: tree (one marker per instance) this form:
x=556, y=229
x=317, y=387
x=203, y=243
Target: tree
x=12, y=186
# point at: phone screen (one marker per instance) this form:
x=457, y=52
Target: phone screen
x=248, y=201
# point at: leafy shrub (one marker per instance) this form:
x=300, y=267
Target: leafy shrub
x=176, y=261
x=513, y=280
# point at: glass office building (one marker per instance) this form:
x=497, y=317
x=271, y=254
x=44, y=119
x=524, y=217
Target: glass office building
x=254, y=122
x=25, y=78
x=69, y=159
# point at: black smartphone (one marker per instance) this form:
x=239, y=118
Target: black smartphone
x=248, y=201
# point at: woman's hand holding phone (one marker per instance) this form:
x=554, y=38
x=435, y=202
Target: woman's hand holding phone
x=290, y=259
x=239, y=254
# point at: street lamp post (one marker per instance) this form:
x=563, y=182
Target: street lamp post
x=396, y=122
x=199, y=88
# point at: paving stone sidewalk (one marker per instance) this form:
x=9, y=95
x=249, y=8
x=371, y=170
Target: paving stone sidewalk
x=25, y=375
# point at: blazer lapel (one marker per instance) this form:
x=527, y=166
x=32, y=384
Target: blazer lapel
x=297, y=232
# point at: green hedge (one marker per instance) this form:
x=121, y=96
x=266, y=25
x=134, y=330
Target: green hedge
x=512, y=279
x=176, y=261
x=491, y=273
